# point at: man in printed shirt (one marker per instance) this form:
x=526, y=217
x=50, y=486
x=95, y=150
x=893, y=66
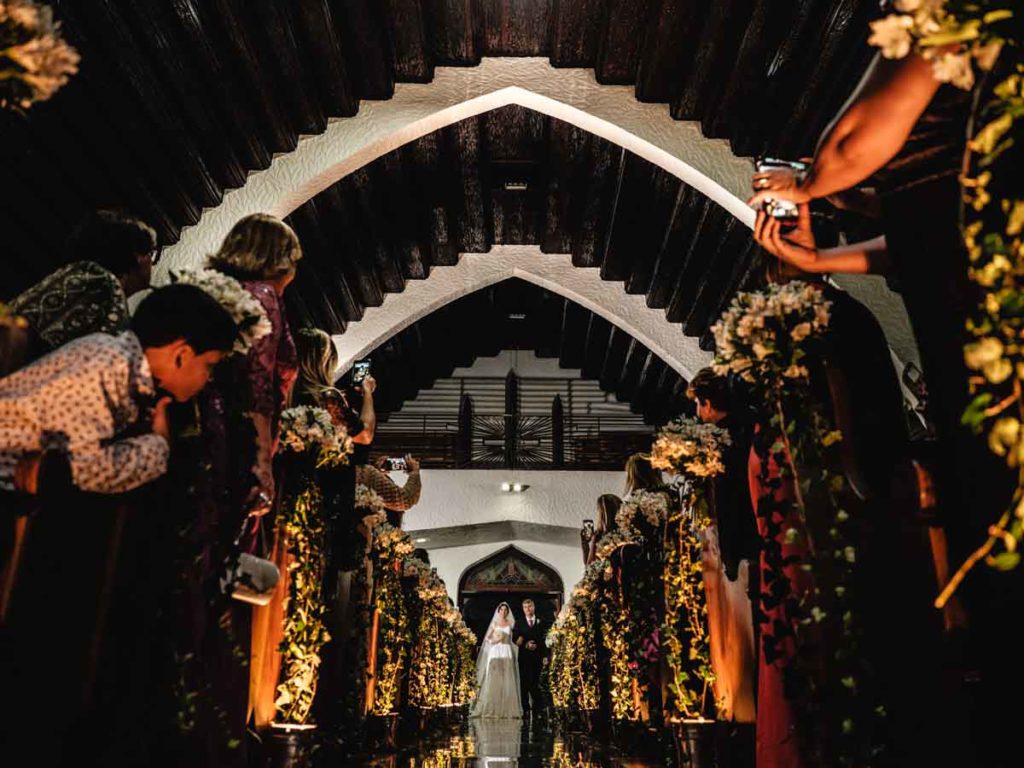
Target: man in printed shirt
x=102, y=400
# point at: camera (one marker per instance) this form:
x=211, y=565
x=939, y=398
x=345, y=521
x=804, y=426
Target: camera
x=782, y=209
x=396, y=464
x=360, y=370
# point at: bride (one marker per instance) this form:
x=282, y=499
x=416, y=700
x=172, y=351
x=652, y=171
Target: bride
x=497, y=670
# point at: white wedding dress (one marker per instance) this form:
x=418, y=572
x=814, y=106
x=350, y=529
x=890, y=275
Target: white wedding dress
x=497, y=673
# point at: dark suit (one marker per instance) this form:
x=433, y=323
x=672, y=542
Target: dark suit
x=530, y=661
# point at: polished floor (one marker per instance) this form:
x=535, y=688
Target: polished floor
x=511, y=744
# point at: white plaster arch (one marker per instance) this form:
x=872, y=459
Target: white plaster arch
x=554, y=272
x=456, y=93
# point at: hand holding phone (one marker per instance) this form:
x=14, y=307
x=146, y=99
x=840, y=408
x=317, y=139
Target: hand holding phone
x=395, y=464
x=360, y=370
x=776, y=186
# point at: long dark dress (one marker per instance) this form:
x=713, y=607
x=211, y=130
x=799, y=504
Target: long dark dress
x=921, y=201
x=214, y=631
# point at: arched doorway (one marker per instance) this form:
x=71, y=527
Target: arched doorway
x=509, y=575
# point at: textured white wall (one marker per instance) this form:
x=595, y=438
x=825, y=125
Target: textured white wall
x=466, y=496
x=451, y=562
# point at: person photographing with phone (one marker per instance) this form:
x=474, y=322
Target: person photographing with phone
x=397, y=498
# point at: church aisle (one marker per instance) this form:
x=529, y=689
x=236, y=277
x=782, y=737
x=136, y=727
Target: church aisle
x=510, y=744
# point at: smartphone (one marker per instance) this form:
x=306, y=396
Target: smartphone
x=588, y=529
x=396, y=464
x=360, y=370
x=781, y=209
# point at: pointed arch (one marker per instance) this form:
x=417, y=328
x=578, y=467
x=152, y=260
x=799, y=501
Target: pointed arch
x=457, y=93
x=510, y=570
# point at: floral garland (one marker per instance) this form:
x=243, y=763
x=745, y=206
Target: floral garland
x=464, y=673
x=687, y=446
x=611, y=541
x=975, y=33
x=573, y=667
x=390, y=547
x=244, y=308
x=624, y=671
x=684, y=631
x=305, y=632
x=306, y=429
x=35, y=61
x=641, y=506
x=430, y=667
x=767, y=337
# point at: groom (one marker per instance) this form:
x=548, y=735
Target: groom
x=530, y=636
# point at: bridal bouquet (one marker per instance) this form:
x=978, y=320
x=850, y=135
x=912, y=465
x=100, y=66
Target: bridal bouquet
x=35, y=61
x=761, y=335
x=651, y=506
x=246, y=310
x=954, y=35
x=690, y=447
x=307, y=429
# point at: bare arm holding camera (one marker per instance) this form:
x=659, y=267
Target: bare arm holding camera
x=797, y=247
x=868, y=132
x=367, y=414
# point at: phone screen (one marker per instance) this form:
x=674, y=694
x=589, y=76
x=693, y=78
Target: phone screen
x=395, y=465
x=360, y=371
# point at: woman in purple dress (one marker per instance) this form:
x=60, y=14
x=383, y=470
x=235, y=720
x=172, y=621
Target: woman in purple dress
x=229, y=493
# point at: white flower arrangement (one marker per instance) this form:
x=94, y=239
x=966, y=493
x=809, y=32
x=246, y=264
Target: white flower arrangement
x=761, y=336
x=305, y=429
x=651, y=505
x=367, y=498
x=953, y=34
x=690, y=447
x=35, y=61
x=392, y=541
x=613, y=540
x=244, y=308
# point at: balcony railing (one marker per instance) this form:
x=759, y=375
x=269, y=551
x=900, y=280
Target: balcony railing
x=524, y=442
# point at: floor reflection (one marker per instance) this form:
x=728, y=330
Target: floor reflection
x=509, y=744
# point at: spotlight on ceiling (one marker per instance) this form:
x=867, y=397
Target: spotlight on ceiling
x=517, y=487
x=508, y=487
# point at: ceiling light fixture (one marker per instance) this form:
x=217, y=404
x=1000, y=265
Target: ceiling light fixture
x=508, y=487
x=421, y=541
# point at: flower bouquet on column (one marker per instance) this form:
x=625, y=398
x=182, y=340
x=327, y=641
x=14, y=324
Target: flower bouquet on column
x=692, y=451
x=774, y=339
x=309, y=440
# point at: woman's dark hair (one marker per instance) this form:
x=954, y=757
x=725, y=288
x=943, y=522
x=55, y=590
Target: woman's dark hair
x=607, y=508
x=184, y=312
x=708, y=385
x=112, y=239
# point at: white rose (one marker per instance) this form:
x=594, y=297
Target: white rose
x=892, y=35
